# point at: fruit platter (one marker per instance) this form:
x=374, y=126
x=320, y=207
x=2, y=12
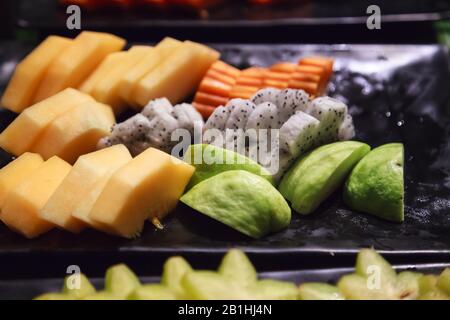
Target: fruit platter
x=124, y=151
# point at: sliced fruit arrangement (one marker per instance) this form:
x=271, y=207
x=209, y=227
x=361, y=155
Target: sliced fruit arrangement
x=67, y=125
x=159, y=125
x=302, y=125
x=237, y=279
x=223, y=82
x=107, y=190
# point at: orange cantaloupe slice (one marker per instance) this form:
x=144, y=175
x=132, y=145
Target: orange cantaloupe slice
x=75, y=132
x=102, y=71
x=79, y=183
x=20, y=211
x=178, y=75
x=29, y=73
x=102, y=164
x=107, y=89
x=17, y=171
x=77, y=61
x=27, y=128
x=150, y=186
x=129, y=81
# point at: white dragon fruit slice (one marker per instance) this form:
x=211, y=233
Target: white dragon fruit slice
x=218, y=118
x=186, y=115
x=161, y=127
x=331, y=114
x=265, y=116
x=265, y=95
x=347, y=129
x=290, y=101
x=240, y=112
x=298, y=134
x=156, y=106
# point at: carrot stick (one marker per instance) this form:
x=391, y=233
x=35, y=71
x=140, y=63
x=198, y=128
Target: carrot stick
x=209, y=85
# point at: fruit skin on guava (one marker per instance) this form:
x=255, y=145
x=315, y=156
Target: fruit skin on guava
x=243, y=201
x=376, y=185
x=210, y=160
x=319, y=173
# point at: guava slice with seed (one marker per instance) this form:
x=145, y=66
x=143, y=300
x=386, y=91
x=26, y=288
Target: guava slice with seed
x=319, y=173
x=376, y=185
x=243, y=201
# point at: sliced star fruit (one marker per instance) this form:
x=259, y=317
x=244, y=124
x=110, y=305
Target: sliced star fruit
x=269, y=289
x=78, y=286
x=243, y=201
x=120, y=281
x=174, y=270
x=101, y=295
x=319, y=291
x=210, y=160
x=236, y=266
x=376, y=185
x=152, y=292
x=54, y=296
x=319, y=173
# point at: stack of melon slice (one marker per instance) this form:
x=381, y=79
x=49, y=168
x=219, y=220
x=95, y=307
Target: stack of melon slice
x=107, y=190
x=66, y=125
x=56, y=64
x=223, y=82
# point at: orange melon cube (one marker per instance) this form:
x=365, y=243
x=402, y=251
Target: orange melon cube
x=17, y=171
x=28, y=127
x=79, y=183
x=150, y=186
x=75, y=132
x=29, y=73
x=77, y=61
x=22, y=204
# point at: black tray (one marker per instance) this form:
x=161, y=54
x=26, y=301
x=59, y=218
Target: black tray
x=319, y=21
x=20, y=289
x=408, y=83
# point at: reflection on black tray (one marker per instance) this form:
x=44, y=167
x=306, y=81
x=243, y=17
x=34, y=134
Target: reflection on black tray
x=395, y=93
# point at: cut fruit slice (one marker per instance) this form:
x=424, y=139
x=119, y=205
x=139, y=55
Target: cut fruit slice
x=121, y=281
x=54, y=296
x=178, y=75
x=150, y=185
x=77, y=61
x=210, y=161
x=368, y=261
x=81, y=181
x=319, y=291
x=77, y=286
x=152, y=292
x=274, y=290
x=76, y=132
x=237, y=267
x=208, y=285
x=443, y=281
x=319, y=173
x=23, y=132
x=21, y=207
x=241, y=200
x=101, y=295
x=102, y=71
x=375, y=185
x=30, y=72
x=17, y=171
x=107, y=89
x=408, y=285
x=175, y=268
x=145, y=66
x=356, y=287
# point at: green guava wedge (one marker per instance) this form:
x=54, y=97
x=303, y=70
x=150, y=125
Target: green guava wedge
x=243, y=201
x=121, y=281
x=77, y=286
x=152, y=292
x=319, y=291
x=319, y=173
x=375, y=185
x=236, y=266
x=173, y=272
x=210, y=160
